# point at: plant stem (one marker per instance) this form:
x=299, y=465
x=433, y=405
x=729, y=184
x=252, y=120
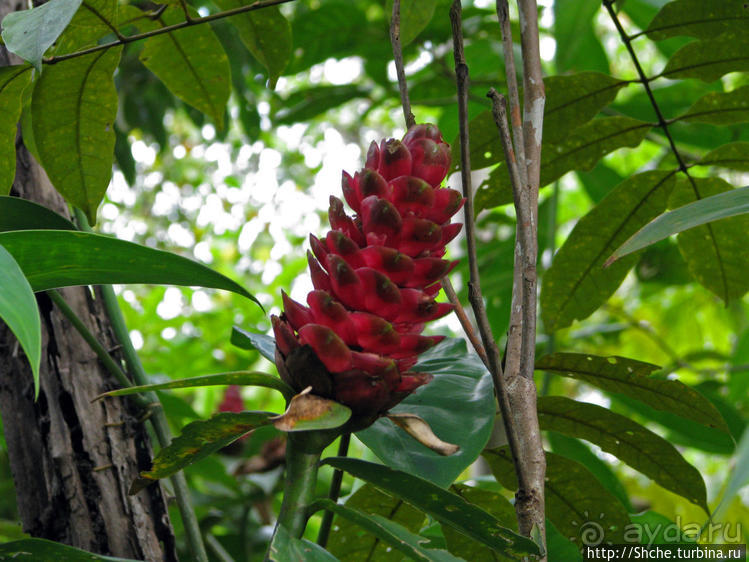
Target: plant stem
x=395, y=40
x=335, y=491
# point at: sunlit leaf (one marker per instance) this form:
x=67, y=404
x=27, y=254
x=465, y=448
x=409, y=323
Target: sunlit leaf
x=13, y=81
x=577, y=283
x=19, y=311
x=698, y=18
x=198, y=440
x=284, y=548
x=627, y=440
x=710, y=59
x=632, y=378
x=33, y=550
x=415, y=15
x=264, y=344
x=720, y=108
x=447, y=508
x=583, y=510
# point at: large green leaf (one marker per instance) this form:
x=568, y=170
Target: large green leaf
x=347, y=543
x=710, y=59
x=13, y=81
x=447, y=508
x=578, y=47
x=22, y=214
x=415, y=15
x=698, y=18
x=94, y=20
x=580, y=150
x=198, y=440
x=267, y=35
x=717, y=253
x=629, y=441
x=734, y=155
x=720, y=108
x=19, y=311
x=73, y=110
x=34, y=550
x=284, y=548
x=391, y=533
x=29, y=33
x=632, y=378
x=61, y=258
x=577, y=504
x=458, y=404
x=307, y=103
x=577, y=283
x=264, y=344
x=192, y=63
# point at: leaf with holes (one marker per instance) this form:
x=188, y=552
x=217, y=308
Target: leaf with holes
x=192, y=63
x=632, y=378
x=13, y=81
x=577, y=504
x=629, y=441
x=72, y=113
x=581, y=150
x=198, y=440
x=698, y=18
x=717, y=253
x=710, y=59
x=577, y=283
x=720, y=108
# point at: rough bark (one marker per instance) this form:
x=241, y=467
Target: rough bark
x=73, y=461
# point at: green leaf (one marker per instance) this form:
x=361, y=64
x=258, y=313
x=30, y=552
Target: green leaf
x=734, y=155
x=580, y=150
x=305, y=104
x=447, y=508
x=632, y=378
x=73, y=109
x=392, y=533
x=577, y=44
x=739, y=475
x=458, y=404
x=91, y=22
x=347, y=543
x=22, y=214
x=493, y=503
x=29, y=33
x=577, y=283
x=653, y=528
x=720, y=108
x=284, y=548
x=307, y=412
x=13, y=81
x=265, y=345
x=698, y=18
x=559, y=547
x=629, y=441
x=415, y=16
x=19, y=311
x=717, y=253
x=192, y=63
x=33, y=550
x=58, y=258
x=710, y=59
x=267, y=35
x=580, y=508
x=198, y=440
x=243, y=378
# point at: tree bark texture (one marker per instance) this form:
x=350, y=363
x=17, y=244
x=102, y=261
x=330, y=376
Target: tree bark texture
x=73, y=461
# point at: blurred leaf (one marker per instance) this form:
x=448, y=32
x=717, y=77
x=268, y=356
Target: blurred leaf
x=720, y=108
x=458, y=404
x=577, y=504
x=242, y=378
x=577, y=283
x=34, y=550
x=58, y=258
x=73, y=111
x=307, y=412
x=739, y=475
x=13, y=81
x=307, y=103
x=22, y=214
x=662, y=264
x=346, y=543
x=267, y=35
x=265, y=345
x=392, y=533
x=710, y=59
x=627, y=440
x=632, y=378
x=447, y=508
x=597, y=183
x=577, y=45
x=29, y=33
x=415, y=15
x=192, y=64
x=19, y=311
x=198, y=440
x=733, y=155
x=698, y=18
x=716, y=253
x=654, y=528
x=580, y=150
x=285, y=548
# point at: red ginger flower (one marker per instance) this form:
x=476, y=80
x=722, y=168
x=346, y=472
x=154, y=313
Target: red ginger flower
x=375, y=277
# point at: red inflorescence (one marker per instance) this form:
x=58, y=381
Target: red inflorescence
x=375, y=277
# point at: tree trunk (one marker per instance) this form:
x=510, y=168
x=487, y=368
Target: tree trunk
x=73, y=461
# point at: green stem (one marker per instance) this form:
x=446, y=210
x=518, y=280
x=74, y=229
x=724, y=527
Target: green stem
x=158, y=419
x=335, y=491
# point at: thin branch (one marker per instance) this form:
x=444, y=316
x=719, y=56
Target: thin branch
x=168, y=29
x=465, y=322
x=395, y=40
x=334, y=493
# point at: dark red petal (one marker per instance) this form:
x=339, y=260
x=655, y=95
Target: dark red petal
x=318, y=248
x=418, y=236
x=376, y=365
x=412, y=381
x=232, y=401
x=396, y=265
x=329, y=348
x=320, y=279
x=411, y=344
x=373, y=156
x=328, y=312
x=395, y=160
x=297, y=314
x=346, y=284
x=338, y=243
x=412, y=195
x=286, y=341
x=380, y=217
x=366, y=395
x=428, y=270
x=374, y=333
x=372, y=183
x=430, y=160
x=381, y=295
x=450, y=231
x=447, y=202
x=350, y=193
x=423, y=131
x=340, y=221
